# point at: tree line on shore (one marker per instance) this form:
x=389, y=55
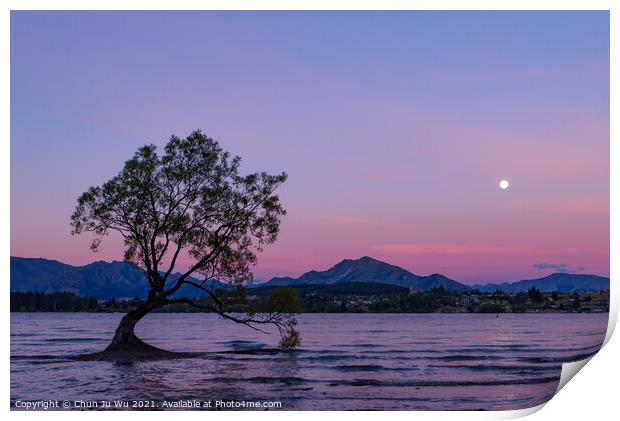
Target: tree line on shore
x=344, y=300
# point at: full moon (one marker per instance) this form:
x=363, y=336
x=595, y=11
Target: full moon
x=504, y=184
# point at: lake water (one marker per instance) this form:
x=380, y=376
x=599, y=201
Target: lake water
x=346, y=361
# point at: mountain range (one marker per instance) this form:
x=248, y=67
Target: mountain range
x=559, y=282
x=105, y=280
x=367, y=269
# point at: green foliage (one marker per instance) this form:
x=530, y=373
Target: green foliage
x=439, y=290
x=337, y=289
x=282, y=300
x=535, y=295
x=308, y=299
x=282, y=304
x=491, y=308
x=57, y=301
x=191, y=201
x=518, y=308
x=291, y=338
x=238, y=296
x=521, y=298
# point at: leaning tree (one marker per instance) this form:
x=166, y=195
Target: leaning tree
x=190, y=202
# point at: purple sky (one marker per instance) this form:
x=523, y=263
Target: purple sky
x=395, y=129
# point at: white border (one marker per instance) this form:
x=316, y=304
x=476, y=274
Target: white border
x=590, y=397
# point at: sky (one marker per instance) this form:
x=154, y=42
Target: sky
x=395, y=129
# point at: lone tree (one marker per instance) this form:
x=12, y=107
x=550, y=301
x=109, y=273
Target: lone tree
x=190, y=201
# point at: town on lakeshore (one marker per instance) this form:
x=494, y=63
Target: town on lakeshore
x=356, y=297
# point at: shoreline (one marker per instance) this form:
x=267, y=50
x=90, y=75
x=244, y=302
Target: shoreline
x=326, y=312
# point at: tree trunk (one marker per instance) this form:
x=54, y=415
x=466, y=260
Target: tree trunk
x=125, y=339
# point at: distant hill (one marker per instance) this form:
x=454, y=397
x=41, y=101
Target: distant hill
x=559, y=282
x=367, y=269
x=435, y=280
x=100, y=279
x=105, y=280
x=343, y=288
